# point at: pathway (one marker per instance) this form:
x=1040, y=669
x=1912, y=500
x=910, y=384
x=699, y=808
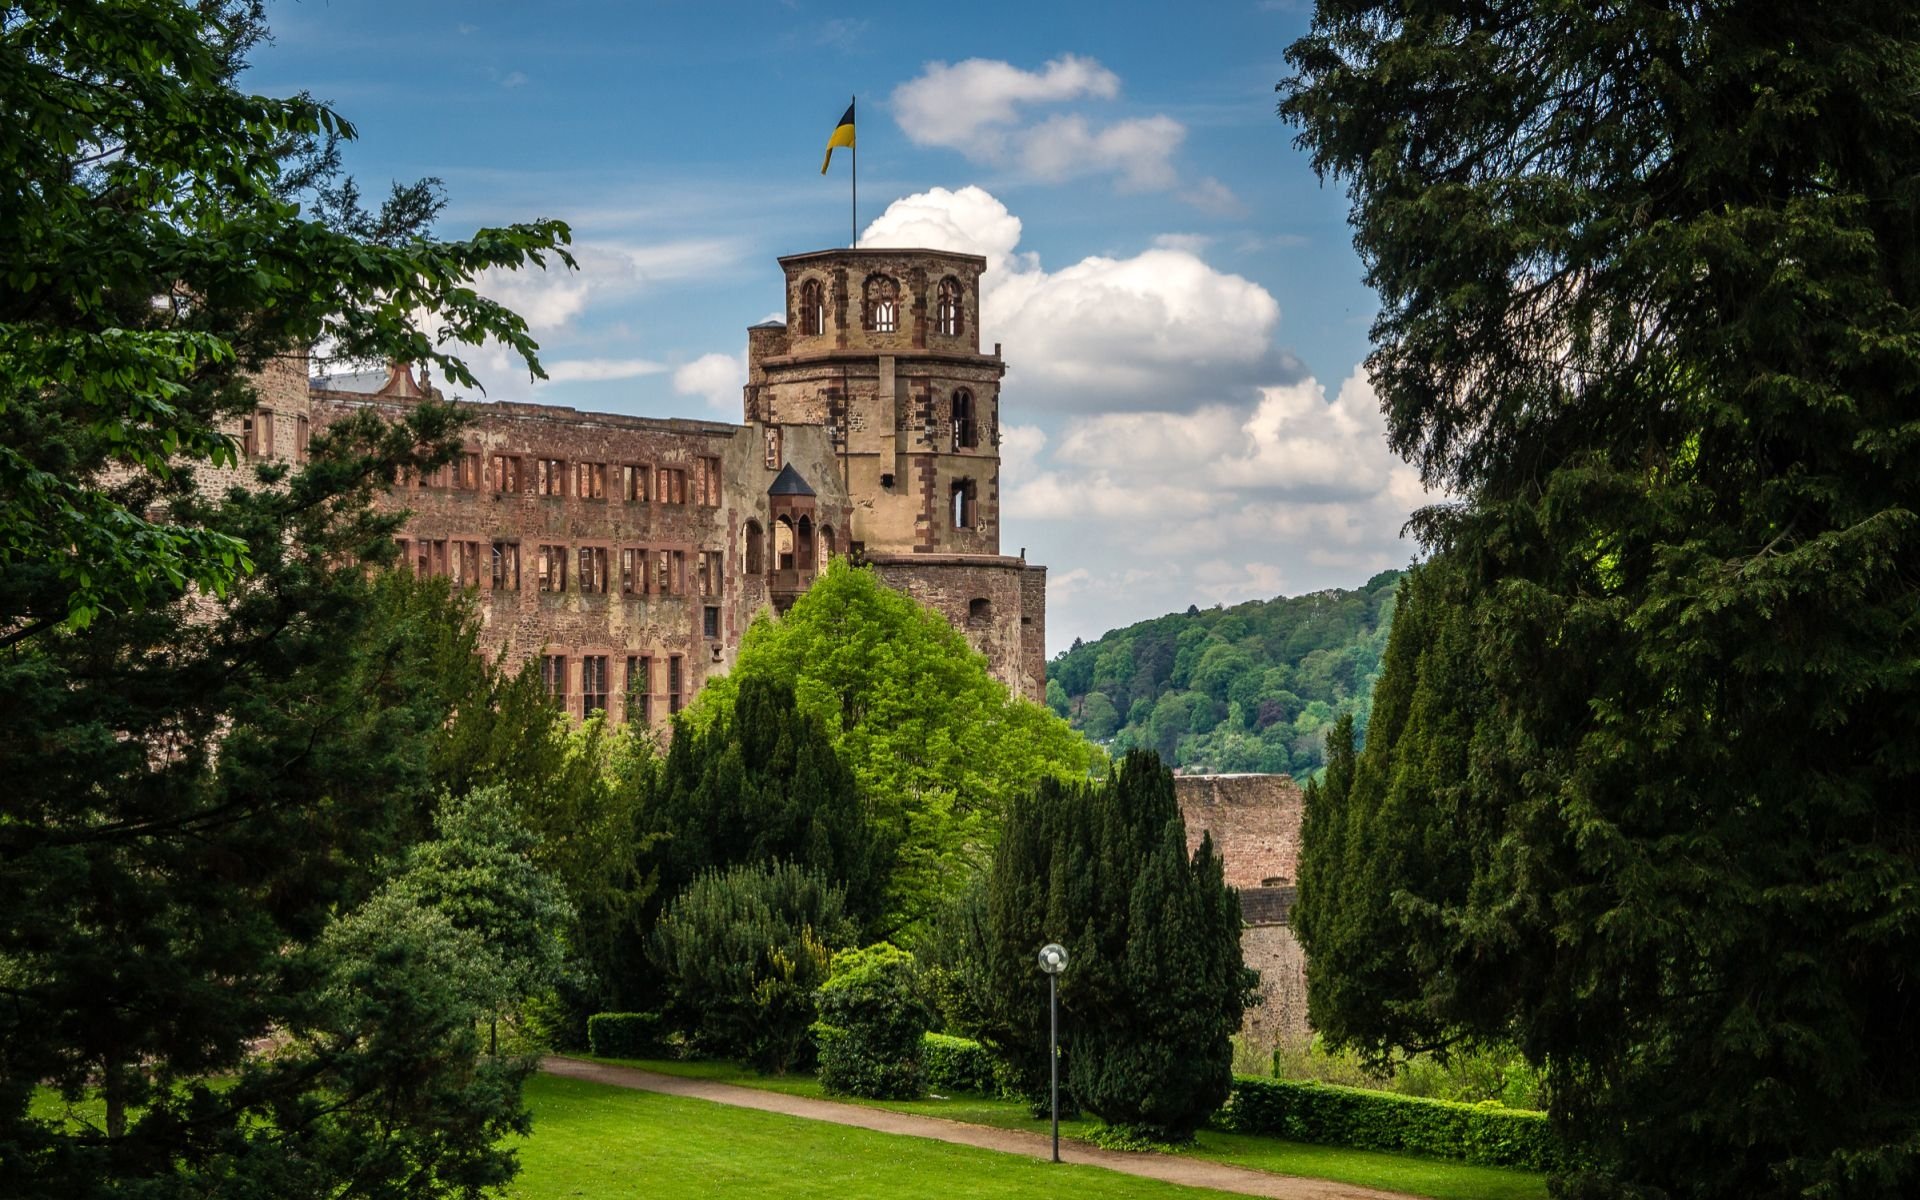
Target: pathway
x=1169, y=1168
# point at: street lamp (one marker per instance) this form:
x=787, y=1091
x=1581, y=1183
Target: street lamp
x=1053, y=960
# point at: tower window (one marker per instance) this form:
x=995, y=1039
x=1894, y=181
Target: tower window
x=813, y=308
x=883, y=304
x=966, y=431
x=947, y=308
x=979, y=612
x=964, y=514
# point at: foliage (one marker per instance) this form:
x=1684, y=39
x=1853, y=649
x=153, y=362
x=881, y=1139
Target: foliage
x=1367, y=1120
x=1650, y=284
x=1155, y=987
x=625, y=1035
x=872, y=1019
x=155, y=251
x=742, y=952
x=957, y=1064
x=1248, y=688
x=938, y=747
x=760, y=781
x=1468, y=1075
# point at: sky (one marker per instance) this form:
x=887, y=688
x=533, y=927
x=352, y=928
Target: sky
x=1185, y=418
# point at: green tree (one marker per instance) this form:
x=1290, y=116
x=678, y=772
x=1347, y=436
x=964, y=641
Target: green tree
x=210, y=789
x=742, y=952
x=1156, y=986
x=873, y=1015
x=936, y=744
x=1650, y=285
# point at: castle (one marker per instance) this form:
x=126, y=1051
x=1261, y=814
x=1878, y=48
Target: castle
x=629, y=554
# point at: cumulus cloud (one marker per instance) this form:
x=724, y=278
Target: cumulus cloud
x=716, y=378
x=980, y=108
x=1158, y=330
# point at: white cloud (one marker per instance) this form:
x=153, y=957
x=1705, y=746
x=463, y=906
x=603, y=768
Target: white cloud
x=977, y=107
x=1159, y=330
x=514, y=79
x=580, y=370
x=716, y=378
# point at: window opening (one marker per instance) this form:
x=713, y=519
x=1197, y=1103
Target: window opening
x=553, y=568
x=639, y=689
x=947, y=307
x=550, y=477
x=593, y=684
x=966, y=434
x=506, y=566
x=553, y=673
x=813, y=308
x=673, y=683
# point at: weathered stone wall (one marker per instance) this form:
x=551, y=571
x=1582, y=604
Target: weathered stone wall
x=1254, y=821
x=955, y=586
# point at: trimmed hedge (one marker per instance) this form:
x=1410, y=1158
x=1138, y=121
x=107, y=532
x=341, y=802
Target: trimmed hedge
x=1300, y=1111
x=625, y=1035
x=956, y=1064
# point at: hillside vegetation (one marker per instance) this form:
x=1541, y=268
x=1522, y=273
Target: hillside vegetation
x=1247, y=688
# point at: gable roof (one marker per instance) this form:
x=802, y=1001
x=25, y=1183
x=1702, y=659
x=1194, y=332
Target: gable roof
x=790, y=483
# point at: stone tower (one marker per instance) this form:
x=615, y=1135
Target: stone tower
x=882, y=348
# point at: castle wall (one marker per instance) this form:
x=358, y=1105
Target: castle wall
x=956, y=586
x=1254, y=821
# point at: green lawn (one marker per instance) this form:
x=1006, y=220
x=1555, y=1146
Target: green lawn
x=1438, y=1178
x=594, y=1142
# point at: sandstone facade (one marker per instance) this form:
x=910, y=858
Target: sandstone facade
x=629, y=554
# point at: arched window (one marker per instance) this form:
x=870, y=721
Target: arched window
x=803, y=544
x=756, y=549
x=946, y=310
x=966, y=431
x=883, y=304
x=783, y=544
x=979, y=612
x=963, y=506
x=813, y=308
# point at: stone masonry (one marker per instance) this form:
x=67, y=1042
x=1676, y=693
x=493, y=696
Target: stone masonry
x=629, y=554
x=1254, y=821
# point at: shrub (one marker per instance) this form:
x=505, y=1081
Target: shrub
x=956, y=1064
x=1339, y=1116
x=742, y=953
x=625, y=1035
x=872, y=1019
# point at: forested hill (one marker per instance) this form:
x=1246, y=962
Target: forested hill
x=1247, y=688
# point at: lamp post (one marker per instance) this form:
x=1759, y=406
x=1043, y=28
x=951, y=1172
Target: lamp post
x=1053, y=960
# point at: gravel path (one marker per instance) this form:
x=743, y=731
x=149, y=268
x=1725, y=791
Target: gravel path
x=1169, y=1168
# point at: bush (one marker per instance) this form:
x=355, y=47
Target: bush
x=626, y=1035
x=872, y=1019
x=1338, y=1116
x=956, y=1064
x=742, y=953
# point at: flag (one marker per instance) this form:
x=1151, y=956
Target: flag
x=842, y=136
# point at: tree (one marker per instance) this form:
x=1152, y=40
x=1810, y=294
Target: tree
x=873, y=1017
x=1649, y=281
x=219, y=722
x=155, y=252
x=742, y=952
x=761, y=783
x=936, y=744
x=1156, y=988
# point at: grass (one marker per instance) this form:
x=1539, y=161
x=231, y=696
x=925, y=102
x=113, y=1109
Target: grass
x=1441, y=1179
x=595, y=1142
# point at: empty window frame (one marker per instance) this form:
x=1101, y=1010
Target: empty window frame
x=675, y=675
x=506, y=566
x=553, y=568
x=966, y=431
x=710, y=621
x=466, y=471
x=590, y=480
x=706, y=481
x=302, y=438
x=964, y=514
x=594, y=684
x=633, y=571
x=710, y=569
x=506, y=473
x=882, y=304
x=465, y=563
x=633, y=482
x=756, y=549
x=673, y=485
x=639, y=690
x=946, y=311
x=979, y=612
x=553, y=673
x=592, y=576
x=550, y=477
x=813, y=308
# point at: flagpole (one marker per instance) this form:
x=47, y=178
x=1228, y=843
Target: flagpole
x=853, y=211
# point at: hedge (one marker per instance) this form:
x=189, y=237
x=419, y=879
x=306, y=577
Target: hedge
x=955, y=1064
x=625, y=1035
x=1299, y=1111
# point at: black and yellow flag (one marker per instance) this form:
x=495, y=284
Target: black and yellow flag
x=842, y=136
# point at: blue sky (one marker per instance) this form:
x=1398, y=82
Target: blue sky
x=1176, y=291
